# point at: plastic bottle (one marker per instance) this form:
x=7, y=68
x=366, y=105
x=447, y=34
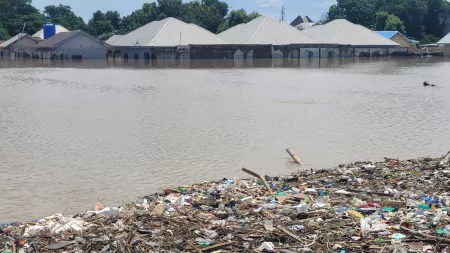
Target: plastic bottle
x=437, y=217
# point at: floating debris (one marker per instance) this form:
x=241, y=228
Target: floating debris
x=390, y=206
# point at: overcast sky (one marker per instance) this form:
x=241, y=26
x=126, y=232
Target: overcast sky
x=313, y=8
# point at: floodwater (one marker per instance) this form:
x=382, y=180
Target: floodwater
x=72, y=133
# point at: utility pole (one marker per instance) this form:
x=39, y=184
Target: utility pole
x=283, y=13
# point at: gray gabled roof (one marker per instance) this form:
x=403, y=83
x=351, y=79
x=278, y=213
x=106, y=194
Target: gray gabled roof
x=267, y=31
x=169, y=32
x=59, y=38
x=13, y=39
x=445, y=40
x=341, y=31
x=113, y=39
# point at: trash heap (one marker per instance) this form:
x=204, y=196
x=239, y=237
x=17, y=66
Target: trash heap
x=389, y=206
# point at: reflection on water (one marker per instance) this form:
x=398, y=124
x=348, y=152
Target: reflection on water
x=72, y=132
x=208, y=64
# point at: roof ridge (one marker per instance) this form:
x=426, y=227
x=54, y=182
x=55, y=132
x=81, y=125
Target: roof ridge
x=259, y=27
x=169, y=19
x=217, y=35
x=384, y=38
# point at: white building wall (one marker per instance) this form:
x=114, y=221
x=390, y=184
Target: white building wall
x=83, y=45
x=447, y=50
x=309, y=52
x=24, y=44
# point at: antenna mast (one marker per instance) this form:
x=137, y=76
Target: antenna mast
x=283, y=13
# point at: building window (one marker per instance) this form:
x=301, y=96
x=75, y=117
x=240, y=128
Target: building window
x=125, y=55
x=136, y=56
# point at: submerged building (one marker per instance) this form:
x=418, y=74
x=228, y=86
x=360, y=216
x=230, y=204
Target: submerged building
x=75, y=45
x=445, y=43
x=159, y=39
x=282, y=37
x=401, y=39
x=58, y=29
x=19, y=43
x=364, y=41
x=302, y=23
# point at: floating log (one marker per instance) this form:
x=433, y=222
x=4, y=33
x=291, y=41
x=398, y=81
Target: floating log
x=294, y=156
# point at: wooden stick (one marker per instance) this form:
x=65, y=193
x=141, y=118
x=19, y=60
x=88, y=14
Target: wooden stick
x=258, y=176
x=294, y=156
x=423, y=235
x=282, y=229
x=216, y=247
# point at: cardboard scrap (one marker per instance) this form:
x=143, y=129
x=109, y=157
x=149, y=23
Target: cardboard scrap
x=292, y=196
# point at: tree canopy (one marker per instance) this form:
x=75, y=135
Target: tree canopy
x=212, y=15
x=419, y=19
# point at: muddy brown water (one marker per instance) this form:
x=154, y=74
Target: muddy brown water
x=74, y=132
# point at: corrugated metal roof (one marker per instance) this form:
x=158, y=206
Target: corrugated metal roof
x=113, y=39
x=13, y=39
x=40, y=33
x=341, y=31
x=445, y=40
x=390, y=34
x=56, y=39
x=266, y=30
x=387, y=34
x=169, y=32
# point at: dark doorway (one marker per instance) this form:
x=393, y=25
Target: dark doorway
x=125, y=56
x=136, y=56
x=77, y=57
x=310, y=54
x=147, y=56
x=1, y=53
x=330, y=54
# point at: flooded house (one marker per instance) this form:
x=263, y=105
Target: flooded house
x=75, y=45
x=18, y=43
x=286, y=41
x=445, y=44
x=363, y=41
x=402, y=40
x=169, y=38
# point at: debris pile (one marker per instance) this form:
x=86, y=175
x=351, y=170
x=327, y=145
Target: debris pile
x=389, y=206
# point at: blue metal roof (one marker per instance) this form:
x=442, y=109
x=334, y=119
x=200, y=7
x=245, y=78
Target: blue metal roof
x=387, y=34
x=390, y=34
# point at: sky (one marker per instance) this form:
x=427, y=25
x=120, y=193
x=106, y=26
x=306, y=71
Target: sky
x=312, y=8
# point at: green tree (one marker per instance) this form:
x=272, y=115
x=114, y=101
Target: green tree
x=434, y=25
x=3, y=33
x=356, y=11
x=421, y=18
x=114, y=19
x=393, y=23
x=237, y=17
x=148, y=13
x=99, y=25
x=381, y=19
x=106, y=36
x=14, y=14
x=64, y=16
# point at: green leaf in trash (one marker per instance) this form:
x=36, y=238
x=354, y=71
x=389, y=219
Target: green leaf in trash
x=442, y=232
x=6, y=251
x=388, y=209
x=260, y=182
x=281, y=194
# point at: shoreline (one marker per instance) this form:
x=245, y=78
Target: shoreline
x=371, y=206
